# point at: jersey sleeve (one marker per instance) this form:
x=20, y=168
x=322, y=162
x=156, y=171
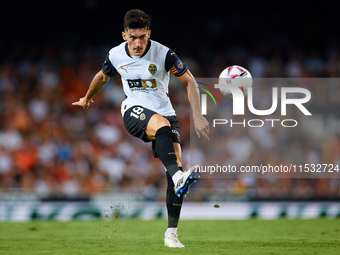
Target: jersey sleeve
x=174, y=64
x=108, y=69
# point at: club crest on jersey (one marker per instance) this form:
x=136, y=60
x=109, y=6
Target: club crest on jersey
x=152, y=69
x=180, y=64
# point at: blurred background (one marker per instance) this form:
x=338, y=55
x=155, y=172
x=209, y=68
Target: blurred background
x=50, y=51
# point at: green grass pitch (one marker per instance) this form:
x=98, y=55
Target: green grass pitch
x=283, y=236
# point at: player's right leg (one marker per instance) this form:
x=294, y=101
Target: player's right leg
x=150, y=126
x=159, y=129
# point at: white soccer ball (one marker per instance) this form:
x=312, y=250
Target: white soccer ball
x=236, y=76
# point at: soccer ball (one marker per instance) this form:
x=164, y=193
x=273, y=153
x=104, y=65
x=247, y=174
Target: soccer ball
x=236, y=76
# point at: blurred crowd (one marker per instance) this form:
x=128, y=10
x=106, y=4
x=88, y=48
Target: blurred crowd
x=50, y=148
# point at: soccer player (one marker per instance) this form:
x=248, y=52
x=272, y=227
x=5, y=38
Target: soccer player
x=144, y=66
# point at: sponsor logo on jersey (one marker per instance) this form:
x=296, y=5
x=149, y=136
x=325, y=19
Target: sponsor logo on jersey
x=141, y=83
x=151, y=83
x=136, y=83
x=152, y=69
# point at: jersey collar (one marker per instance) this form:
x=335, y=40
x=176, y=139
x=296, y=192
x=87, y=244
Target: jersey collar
x=145, y=52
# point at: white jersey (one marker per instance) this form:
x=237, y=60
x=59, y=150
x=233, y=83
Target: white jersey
x=145, y=78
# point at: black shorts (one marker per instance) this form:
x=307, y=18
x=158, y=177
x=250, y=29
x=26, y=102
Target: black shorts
x=136, y=119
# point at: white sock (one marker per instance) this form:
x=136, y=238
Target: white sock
x=169, y=231
x=176, y=176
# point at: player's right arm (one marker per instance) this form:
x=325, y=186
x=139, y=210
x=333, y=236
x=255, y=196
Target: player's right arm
x=97, y=83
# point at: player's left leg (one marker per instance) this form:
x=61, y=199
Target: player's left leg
x=173, y=205
x=173, y=199
x=173, y=202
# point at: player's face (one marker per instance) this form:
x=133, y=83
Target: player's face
x=137, y=40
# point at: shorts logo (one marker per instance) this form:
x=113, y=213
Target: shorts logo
x=152, y=69
x=142, y=116
x=177, y=134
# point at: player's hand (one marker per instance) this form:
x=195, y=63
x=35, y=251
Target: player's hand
x=201, y=127
x=83, y=102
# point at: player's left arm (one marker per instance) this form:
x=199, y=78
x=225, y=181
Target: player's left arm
x=181, y=72
x=200, y=123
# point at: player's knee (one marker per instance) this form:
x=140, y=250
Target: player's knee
x=163, y=122
x=164, y=131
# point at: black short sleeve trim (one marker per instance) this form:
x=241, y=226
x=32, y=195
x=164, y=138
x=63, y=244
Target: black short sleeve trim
x=108, y=69
x=170, y=59
x=174, y=64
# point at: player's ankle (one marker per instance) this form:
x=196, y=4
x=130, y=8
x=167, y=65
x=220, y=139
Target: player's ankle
x=169, y=231
x=177, y=176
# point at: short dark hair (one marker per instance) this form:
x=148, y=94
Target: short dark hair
x=136, y=19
